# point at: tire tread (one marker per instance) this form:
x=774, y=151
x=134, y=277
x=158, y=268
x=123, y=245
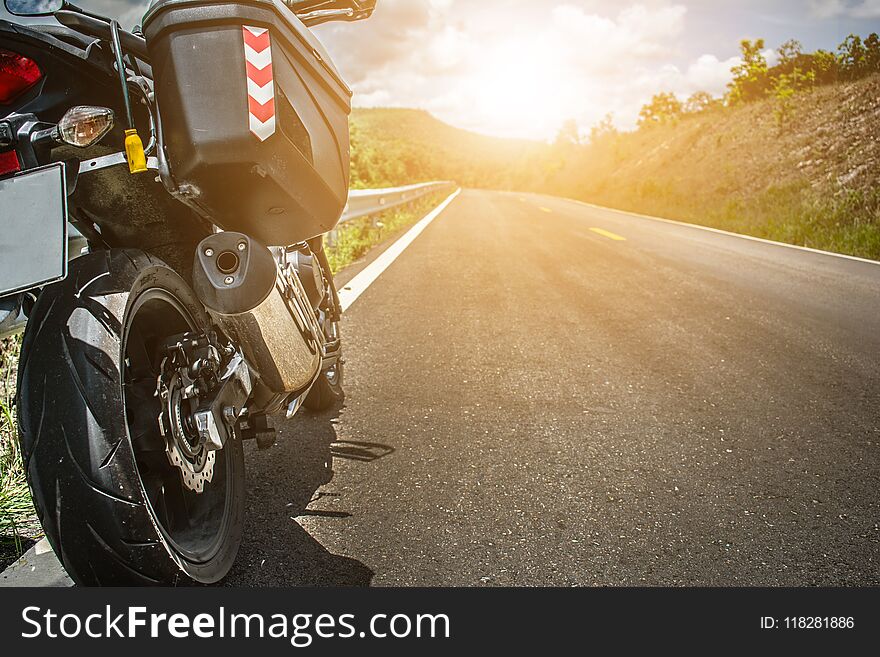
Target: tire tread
x=93, y=508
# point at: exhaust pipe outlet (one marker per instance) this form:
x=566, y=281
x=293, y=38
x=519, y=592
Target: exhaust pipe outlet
x=233, y=274
x=271, y=317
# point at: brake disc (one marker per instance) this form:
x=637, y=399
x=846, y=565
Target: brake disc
x=182, y=445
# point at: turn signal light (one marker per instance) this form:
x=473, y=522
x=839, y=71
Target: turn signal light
x=17, y=74
x=84, y=125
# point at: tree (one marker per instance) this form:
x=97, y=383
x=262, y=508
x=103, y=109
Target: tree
x=790, y=52
x=872, y=52
x=569, y=134
x=603, y=130
x=853, y=57
x=663, y=108
x=750, y=77
x=700, y=101
x=825, y=66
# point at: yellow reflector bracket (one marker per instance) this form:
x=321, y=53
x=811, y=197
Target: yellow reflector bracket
x=134, y=150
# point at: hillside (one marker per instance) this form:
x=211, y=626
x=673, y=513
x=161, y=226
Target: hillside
x=812, y=181
x=398, y=146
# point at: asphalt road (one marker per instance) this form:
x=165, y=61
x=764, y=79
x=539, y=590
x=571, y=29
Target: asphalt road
x=534, y=402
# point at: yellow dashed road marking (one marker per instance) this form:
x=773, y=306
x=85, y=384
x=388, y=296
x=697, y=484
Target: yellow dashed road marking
x=547, y=210
x=608, y=234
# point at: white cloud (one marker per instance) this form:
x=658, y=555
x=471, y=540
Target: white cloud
x=523, y=71
x=834, y=8
x=708, y=73
x=867, y=9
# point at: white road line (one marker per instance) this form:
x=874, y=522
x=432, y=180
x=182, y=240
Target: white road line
x=359, y=284
x=723, y=232
x=20, y=571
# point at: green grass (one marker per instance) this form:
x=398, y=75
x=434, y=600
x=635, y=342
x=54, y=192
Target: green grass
x=17, y=518
x=847, y=223
x=355, y=238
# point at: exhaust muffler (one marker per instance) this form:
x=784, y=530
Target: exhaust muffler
x=261, y=307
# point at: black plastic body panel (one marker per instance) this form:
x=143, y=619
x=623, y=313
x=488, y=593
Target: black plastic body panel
x=286, y=189
x=131, y=211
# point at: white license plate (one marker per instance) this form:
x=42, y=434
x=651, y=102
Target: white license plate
x=33, y=229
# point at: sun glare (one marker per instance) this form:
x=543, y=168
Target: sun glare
x=520, y=89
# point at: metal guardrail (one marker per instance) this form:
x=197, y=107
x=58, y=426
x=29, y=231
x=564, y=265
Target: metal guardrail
x=372, y=202
x=361, y=203
x=367, y=202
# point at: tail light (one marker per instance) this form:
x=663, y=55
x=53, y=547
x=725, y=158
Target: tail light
x=17, y=74
x=9, y=163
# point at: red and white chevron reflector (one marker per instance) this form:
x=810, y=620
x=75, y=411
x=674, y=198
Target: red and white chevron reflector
x=261, y=85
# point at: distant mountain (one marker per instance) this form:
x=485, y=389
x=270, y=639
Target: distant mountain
x=400, y=146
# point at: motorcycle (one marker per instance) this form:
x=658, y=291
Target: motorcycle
x=164, y=194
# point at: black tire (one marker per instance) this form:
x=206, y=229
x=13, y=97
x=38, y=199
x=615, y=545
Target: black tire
x=327, y=391
x=86, y=473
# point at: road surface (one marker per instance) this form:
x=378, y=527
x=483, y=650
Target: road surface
x=545, y=393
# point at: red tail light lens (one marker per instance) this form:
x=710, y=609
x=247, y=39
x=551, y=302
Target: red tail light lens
x=17, y=74
x=9, y=163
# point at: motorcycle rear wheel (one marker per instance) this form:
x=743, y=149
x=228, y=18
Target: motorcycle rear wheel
x=327, y=391
x=114, y=509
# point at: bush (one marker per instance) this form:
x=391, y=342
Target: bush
x=783, y=92
x=663, y=108
x=700, y=101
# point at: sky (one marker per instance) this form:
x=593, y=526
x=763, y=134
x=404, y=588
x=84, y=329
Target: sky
x=521, y=68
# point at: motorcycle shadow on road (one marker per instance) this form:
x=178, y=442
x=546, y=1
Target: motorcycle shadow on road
x=282, y=482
